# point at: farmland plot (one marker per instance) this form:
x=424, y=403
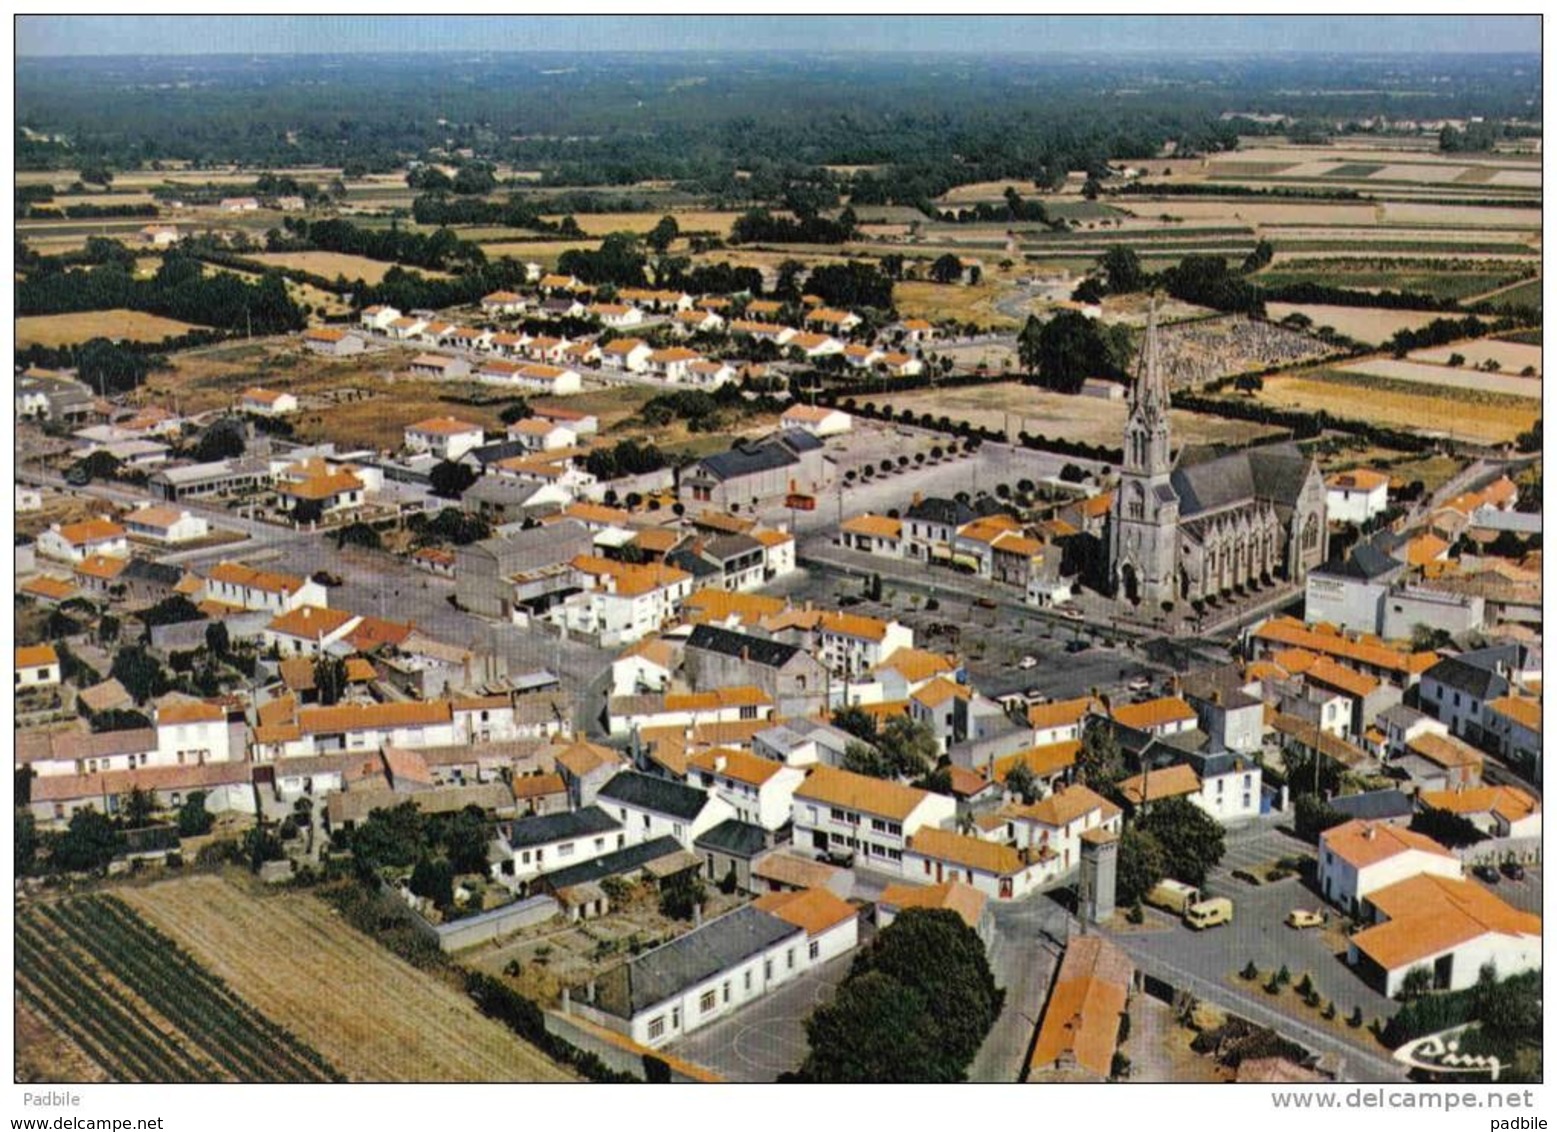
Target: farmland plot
x=82, y=326
x=372, y=1014
x=1361, y=323
x=1436, y=411
x=1511, y=357
x=140, y=1007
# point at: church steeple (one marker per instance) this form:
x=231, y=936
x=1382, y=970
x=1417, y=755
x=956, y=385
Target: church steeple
x=1147, y=452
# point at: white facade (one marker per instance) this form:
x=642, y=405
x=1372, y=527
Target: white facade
x=846, y=651
x=768, y=804
x=266, y=596
x=640, y=823
x=44, y=675
x=878, y=839
x=1230, y=797
x=1348, y=501
x=445, y=442
x=110, y=541
x=152, y=523
x=378, y=318
x=1346, y=885
x=28, y=499
x=185, y=741
x=622, y=619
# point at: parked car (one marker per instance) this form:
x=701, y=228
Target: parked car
x=1140, y=684
x=1302, y=918
x=1070, y=613
x=1486, y=873
x=325, y=578
x=1513, y=870
x=986, y=603
x=1027, y=662
x=1078, y=645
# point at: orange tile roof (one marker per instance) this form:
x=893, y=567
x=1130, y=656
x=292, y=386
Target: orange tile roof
x=628, y=580
x=1266, y=670
x=915, y=665
x=321, y=334
x=835, y=787
x=375, y=632
x=1065, y=806
x=1424, y=549
x=1364, y=843
x=876, y=526
x=101, y=566
x=199, y=712
x=810, y=341
x=1061, y=713
x=1089, y=994
x=1348, y=680
x=771, y=538
x=53, y=588
x=853, y=625
x=738, y=765
x=320, y=487
x=674, y=354
x=311, y=622
x=953, y=895
x=743, y=695
x=969, y=852
x=236, y=574
x=1154, y=713
x=1044, y=761
x=1429, y=915
x=35, y=656
x=581, y=758
x=802, y=872
x=1365, y=650
x=153, y=516
x=812, y=413
x=1508, y=802
x=1445, y=750
x=814, y=909
x=1521, y=709
x=537, y=785
x=939, y=690
x=652, y=649
x=362, y=717
x=1359, y=479
x=718, y=605
x=91, y=530
x=442, y=426
x=1294, y=662
x=1169, y=782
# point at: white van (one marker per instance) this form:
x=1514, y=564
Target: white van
x=1209, y=913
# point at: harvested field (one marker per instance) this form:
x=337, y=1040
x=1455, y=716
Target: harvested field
x=1511, y=357
x=1248, y=211
x=330, y=265
x=541, y=251
x=82, y=326
x=1445, y=377
x=1518, y=178
x=1370, y=326
x=374, y=1016
x=43, y=1054
x=601, y=223
x=934, y=301
x=1090, y=420
x=1420, y=408
x=141, y=1007
x=1458, y=216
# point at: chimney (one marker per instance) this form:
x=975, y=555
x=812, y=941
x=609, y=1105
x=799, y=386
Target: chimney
x=1216, y=696
x=1367, y=833
x=917, y=499
x=746, y=653
x=697, y=915
x=590, y=991
x=720, y=762
x=567, y=1000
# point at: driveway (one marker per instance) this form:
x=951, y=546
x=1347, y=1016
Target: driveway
x=1029, y=938
x=767, y=1038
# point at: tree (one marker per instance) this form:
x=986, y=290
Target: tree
x=1091, y=189
x=1311, y=816
x=1121, y=266
x=140, y=808
x=856, y=721
x=217, y=639
x=1022, y=782
x=24, y=846
x=1099, y=762
x=1425, y=638
x=394, y=837
x=118, y=719
x=1193, y=840
x=359, y=534
x=193, y=818
x=433, y=880
x=663, y=234
x=139, y=672
x=450, y=480
x=466, y=836
x=96, y=173
x=329, y=679
x=1142, y=864
x=222, y=441
x=681, y=895
x=1069, y=349
x=88, y=844
x=1416, y=983
x=1027, y=344
x=516, y=411
x=874, y=1031
x=1250, y=383
x=946, y=269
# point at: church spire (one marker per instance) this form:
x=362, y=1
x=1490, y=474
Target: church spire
x=1146, y=430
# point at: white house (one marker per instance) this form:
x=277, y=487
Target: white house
x=760, y=791
x=407, y=328
x=818, y=421
x=266, y=402
x=503, y=302
x=538, y=434
x=648, y=807
x=76, y=542
x=671, y=363
x=1449, y=928
x=712, y=971
x=445, y=437
x=168, y=525
x=239, y=204
x=191, y=733
x=1360, y=857
x=630, y=354
x=243, y=587
x=709, y=374
x=1356, y=496
x=333, y=342
x=1497, y=811
x=622, y=603
x=873, y=534
x=37, y=666
x=1052, y=827
x=838, y=811
x=728, y=704
x=697, y=322
x=854, y=644
x=645, y=666
x=536, y=845
x=355, y=727
x=1000, y=871
x=1167, y=715
x=308, y=630
x=377, y=318
x=618, y=316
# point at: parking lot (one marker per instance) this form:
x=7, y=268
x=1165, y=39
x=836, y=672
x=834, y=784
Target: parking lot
x=992, y=641
x=761, y=1041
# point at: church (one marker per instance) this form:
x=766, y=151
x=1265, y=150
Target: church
x=1193, y=528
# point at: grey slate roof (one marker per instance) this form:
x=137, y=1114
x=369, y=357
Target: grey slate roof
x=144, y=570
x=560, y=827
x=735, y=838
x=947, y=512
x=1374, y=805
x=1204, y=482
x=1401, y=716
x=658, y=795
x=692, y=563
x=725, y=547
x=798, y=440
x=746, y=459
x=619, y=863
x=1365, y=562
x=1464, y=674
x=485, y=454
x=696, y=957
x=758, y=650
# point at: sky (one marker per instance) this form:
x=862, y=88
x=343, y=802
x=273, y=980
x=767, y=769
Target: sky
x=1185, y=35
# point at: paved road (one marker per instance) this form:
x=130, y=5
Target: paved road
x=1029, y=939
x=760, y=1041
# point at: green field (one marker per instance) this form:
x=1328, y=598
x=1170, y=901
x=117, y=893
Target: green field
x=1523, y=337
x=1354, y=169
x=1451, y=283
x=1527, y=294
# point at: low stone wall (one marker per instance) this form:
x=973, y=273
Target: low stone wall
x=502, y=921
